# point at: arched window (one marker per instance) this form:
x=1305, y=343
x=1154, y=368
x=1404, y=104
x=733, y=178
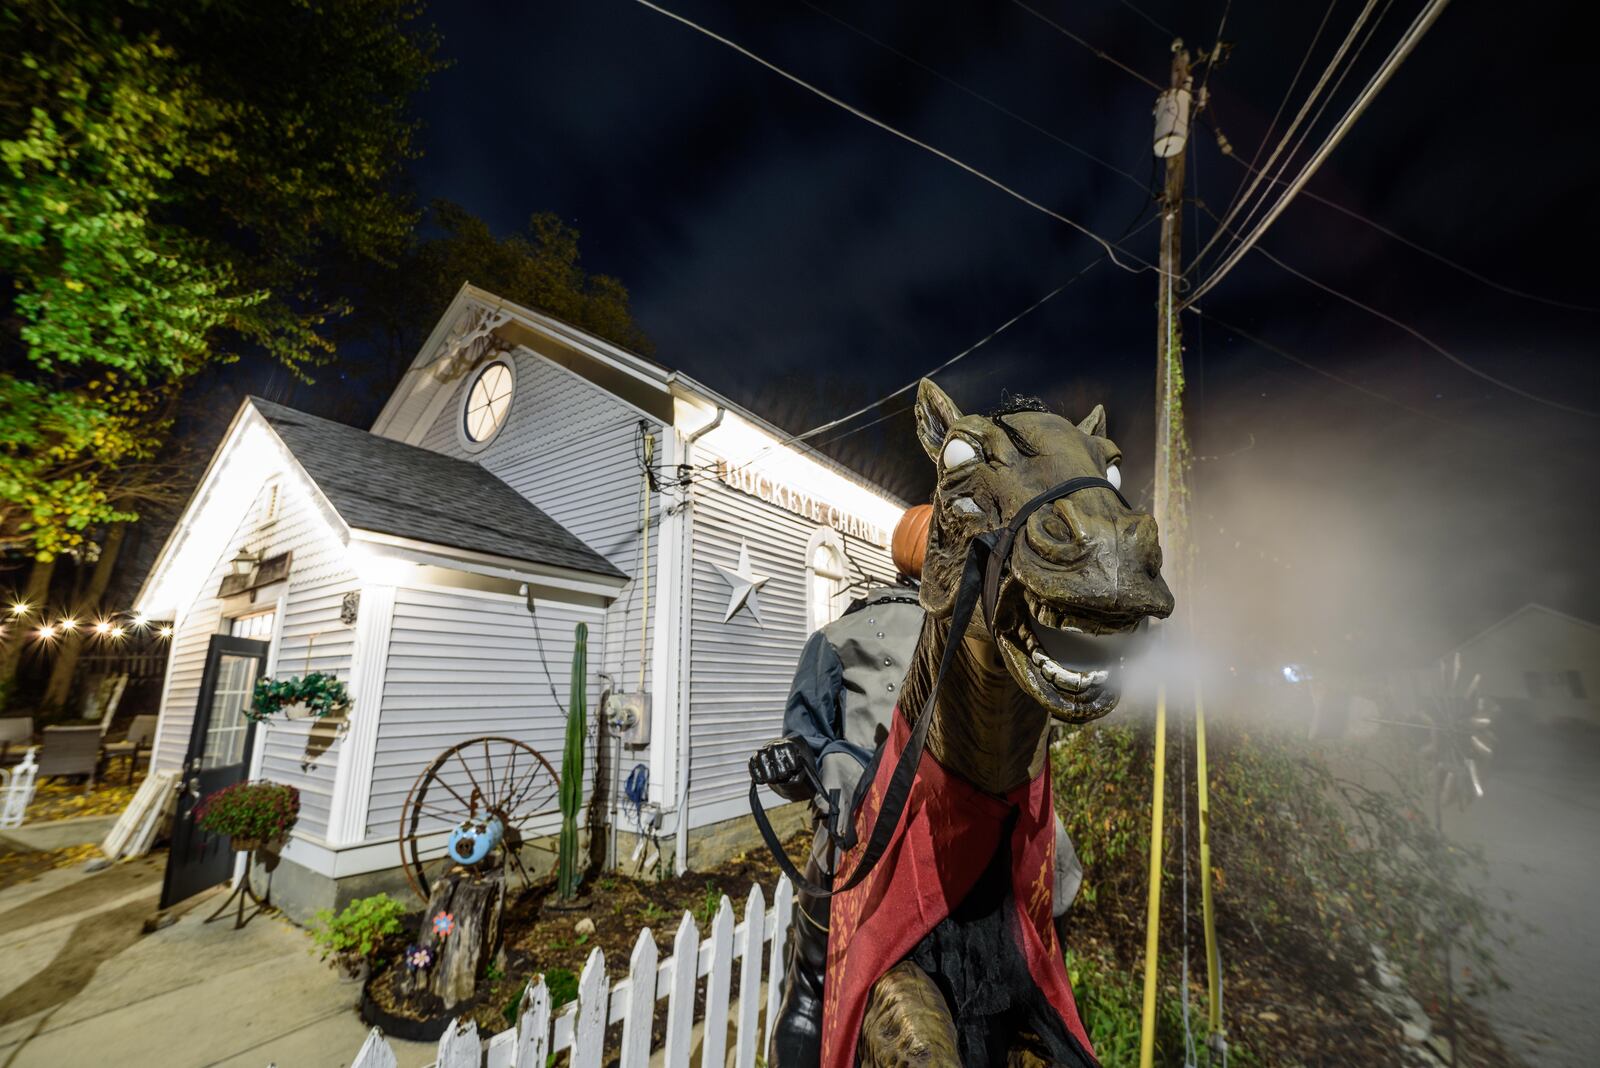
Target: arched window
x=826, y=598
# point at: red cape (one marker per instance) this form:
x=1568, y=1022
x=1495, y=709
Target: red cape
x=946, y=836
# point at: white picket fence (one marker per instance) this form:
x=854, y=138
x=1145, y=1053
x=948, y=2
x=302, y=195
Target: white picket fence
x=581, y=1025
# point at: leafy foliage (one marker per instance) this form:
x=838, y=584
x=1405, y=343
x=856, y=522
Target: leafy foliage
x=538, y=267
x=263, y=811
x=358, y=931
x=1311, y=870
x=323, y=694
x=174, y=182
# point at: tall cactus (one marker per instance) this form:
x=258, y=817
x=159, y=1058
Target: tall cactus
x=572, y=765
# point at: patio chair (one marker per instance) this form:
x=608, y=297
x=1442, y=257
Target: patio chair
x=16, y=733
x=70, y=751
x=141, y=736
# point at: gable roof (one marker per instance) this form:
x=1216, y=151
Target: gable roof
x=1528, y=609
x=388, y=487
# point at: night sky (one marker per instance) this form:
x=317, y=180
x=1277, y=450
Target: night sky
x=803, y=262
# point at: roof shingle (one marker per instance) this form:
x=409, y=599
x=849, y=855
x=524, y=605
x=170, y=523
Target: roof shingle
x=389, y=487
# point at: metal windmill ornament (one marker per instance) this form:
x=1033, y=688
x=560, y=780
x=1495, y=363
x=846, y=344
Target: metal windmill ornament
x=1458, y=719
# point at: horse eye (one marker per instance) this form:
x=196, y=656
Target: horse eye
x=957, y=453
x=1114, y=476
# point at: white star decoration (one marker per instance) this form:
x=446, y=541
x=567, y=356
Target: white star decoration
x=745, y=584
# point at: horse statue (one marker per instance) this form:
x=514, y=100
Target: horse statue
x=941, y=949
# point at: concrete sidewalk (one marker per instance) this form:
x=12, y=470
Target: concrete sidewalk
x=81, y=984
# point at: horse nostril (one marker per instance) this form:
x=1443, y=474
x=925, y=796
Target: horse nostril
x=1062, y=525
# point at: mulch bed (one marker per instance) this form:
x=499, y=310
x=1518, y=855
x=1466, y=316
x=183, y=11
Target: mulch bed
x=539, y=939
x=1275, y=1015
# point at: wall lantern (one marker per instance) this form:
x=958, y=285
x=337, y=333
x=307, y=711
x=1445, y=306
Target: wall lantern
x=244, y=563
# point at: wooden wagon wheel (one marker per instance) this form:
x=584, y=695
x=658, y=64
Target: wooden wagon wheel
x=475, y=779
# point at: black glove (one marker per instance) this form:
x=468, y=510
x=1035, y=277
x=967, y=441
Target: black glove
x=778, y=765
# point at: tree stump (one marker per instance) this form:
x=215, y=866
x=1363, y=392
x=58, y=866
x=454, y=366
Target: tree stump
x=464, y=945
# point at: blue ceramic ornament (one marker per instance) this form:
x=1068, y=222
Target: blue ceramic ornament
x=473, y=840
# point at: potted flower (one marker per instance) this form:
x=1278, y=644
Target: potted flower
x=253, y=814
x=316, y=696
x=351, y=938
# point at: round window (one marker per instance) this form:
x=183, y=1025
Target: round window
x=488, y=403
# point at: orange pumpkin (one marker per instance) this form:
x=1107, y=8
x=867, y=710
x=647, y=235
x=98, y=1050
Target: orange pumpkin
x=910, y=542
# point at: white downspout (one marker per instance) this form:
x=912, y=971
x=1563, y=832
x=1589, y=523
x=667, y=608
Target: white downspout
x=685, y=626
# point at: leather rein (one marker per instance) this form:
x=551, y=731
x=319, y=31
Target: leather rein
x=988, y=557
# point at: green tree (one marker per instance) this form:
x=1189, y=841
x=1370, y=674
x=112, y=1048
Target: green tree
x=179, y=185
x=537, y=267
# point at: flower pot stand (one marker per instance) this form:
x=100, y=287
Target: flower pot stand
x=244, y=894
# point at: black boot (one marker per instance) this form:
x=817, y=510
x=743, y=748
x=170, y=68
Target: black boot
x=797, y=1038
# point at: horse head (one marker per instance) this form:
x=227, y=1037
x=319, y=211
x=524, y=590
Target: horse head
x=1084, y=573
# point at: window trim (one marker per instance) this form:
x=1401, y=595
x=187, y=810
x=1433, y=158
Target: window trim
x=825, y=536
x=465, y=439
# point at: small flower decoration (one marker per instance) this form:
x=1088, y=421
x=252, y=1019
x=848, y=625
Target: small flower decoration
x=418, y=958
x=443, y=924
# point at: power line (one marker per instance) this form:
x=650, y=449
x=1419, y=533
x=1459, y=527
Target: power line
x=1430, y=253
x=1283, y=103
x=1075, y=39
x=963, y=354
x=1434, y=345
x=1418, y=28
x=1111, y=251
x=1300, y=116
x=1414, y=332
x=1002, y=109
x=1268, y=346
x=1129, y=5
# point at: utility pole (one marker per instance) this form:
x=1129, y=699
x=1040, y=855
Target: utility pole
x=1172, y=112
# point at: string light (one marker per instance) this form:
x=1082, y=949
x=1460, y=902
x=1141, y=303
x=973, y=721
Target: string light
x=45, y=633
x=68, y=624
x=117, y=633
x=140, y=621
x=165, y=632
x=20, y=608
x=102, y=627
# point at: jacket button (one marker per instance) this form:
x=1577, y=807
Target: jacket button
x=880, y=634
x=887, y=662
x=891, y=687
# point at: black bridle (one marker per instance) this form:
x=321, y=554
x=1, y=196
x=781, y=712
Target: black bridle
x=988, y=558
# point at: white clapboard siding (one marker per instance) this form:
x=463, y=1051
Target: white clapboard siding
x=580, y=1028
x=301, y=753
x=463, y=664
x=741, y=670
x=571, y=448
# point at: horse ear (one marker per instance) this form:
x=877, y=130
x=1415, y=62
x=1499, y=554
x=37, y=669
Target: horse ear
x=1094, y=424
x=935, y=412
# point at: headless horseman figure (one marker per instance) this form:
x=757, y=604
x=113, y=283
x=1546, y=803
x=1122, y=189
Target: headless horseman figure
x=839, y=709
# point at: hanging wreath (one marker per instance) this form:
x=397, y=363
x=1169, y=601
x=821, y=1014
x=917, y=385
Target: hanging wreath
x=322, y=695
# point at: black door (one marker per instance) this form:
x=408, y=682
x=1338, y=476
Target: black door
x=219, y=755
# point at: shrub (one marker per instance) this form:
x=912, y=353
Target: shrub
x=358, y=931
x=260, y=810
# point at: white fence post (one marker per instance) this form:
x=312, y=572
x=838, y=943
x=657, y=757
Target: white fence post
x=533, y=1027
x=755, y=929
x=458, y=1046
x=589, y=1030
x=714, y=1038
x=782, y=911
x=680, y=1003
x=641, y=1004
x=375, y=1052
x=581, y=1026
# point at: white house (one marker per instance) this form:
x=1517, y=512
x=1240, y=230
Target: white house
x=511, y=457
x=1541, y=663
